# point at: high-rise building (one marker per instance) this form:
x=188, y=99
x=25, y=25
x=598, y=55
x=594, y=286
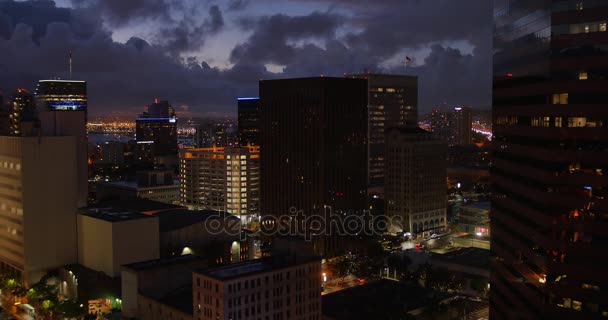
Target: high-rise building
x=5, y=122
x=392, y=102
x=549, y=215
x=156, y=132
x=463, y=122
x=453, y=126
x=223, y=179
x=277, y=287
x=62, y=95
x=313, y=147
x=38, y=205
x=22, y=113
x=62, y=111
x=416, y=171
x=249, y=121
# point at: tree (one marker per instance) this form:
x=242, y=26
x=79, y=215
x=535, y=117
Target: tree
x=400, y=264
x=339, y=266
x=479, y=284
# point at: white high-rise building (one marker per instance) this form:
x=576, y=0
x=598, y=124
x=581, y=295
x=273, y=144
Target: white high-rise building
x=224, y=179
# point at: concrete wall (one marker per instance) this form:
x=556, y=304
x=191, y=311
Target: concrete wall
x=106, y=246
x=50, y=195
x=95, y=245
x=134, y=241
x=151, y=309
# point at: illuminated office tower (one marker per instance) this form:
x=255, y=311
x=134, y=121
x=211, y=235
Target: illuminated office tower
x=223, y=179
x=38, y=205
x=21, y=113
x=249, y=121
x=392, y=102
x=62, y=95
x=62, y=111
x=156, y=131
x=549, y=215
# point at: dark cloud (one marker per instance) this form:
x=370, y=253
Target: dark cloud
x=36, y=14
x=238, y=4
x=270, y=41
x=121, y=77
x=124, y=77
x=449, y=76
x=121, y=12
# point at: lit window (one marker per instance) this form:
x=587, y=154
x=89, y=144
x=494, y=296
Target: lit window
x=583, y=75
x=390, y=90
x=560, y=98
x=577, y=122
x=576, y=305
x=579, y=6
x=558, y=122
x=587, y=28
x=603, y=26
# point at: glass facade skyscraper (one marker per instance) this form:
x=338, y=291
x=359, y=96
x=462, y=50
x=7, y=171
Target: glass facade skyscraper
x=550, y=122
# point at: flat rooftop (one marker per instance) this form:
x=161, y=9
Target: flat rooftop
x=252, y=267
x=112, y=214
x=165, y=262
x=180, y=300
x=380, y=299
x=472, y=256
x=134, y=185
x=174, y=219
x=139, y=205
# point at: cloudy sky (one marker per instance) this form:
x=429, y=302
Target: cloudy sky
x=203, y=54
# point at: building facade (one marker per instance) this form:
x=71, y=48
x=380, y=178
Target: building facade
x=313, y=147
x=61, y=95
x=37, y=218
x=21, y=108
x=392, y=102
x=267, y=288
x=156, y=132
x=549, y=208
x=222, y=179
x=416, y=171
x=454, y=126
x=249, y=121
x=62, y=111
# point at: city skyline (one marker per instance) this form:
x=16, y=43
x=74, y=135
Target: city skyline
x=212, y=53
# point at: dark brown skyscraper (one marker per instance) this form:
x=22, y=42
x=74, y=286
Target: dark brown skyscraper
x=550, y=200
x=313, y=147
x=249, y=121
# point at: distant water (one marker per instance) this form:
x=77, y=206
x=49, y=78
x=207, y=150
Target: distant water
x=99, y=138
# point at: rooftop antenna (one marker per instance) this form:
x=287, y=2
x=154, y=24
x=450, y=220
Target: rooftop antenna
x=70, y=60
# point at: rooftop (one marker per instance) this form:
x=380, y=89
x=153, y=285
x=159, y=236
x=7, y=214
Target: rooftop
x=174, y=219
x=180, y=300
x=112, y=214
x=472, y=257
x=162, y=263
x=139, y=205
x=134, y=185
x=248, y=268
x=380, y=299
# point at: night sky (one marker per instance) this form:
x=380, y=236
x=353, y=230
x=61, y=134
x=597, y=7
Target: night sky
x=201, y=55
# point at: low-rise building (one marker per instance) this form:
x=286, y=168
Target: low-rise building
x=109, y=237
x=146, y=284
x=277, y=287
x=155, y=185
